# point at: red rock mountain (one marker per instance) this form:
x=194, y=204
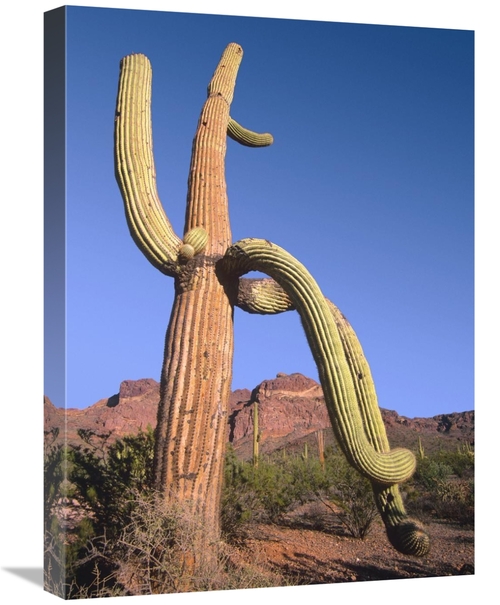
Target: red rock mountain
x=291, y=410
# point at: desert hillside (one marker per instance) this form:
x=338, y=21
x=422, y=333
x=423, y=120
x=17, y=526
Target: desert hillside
x=291, y=411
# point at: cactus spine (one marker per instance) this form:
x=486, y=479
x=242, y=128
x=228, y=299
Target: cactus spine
x=196, y=376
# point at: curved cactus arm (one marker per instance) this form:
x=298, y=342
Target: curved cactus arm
x=384, y=468
x=362, y=380
x=263, y=296
x=135, y=169
x=246, y=137
x=405, y=534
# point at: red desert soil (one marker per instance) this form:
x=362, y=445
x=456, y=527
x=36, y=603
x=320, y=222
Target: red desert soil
x=307, y=556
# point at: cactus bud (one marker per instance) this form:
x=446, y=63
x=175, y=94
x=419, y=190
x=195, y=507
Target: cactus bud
x=194, y=242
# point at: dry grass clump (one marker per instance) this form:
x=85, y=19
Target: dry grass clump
x=163, y=549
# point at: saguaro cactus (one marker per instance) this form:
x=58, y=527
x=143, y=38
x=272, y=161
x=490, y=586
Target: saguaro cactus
x=256, y=434
x=196, y=376
x=320, y=440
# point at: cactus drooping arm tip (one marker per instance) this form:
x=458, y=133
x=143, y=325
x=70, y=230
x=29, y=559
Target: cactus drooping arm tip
x=409, y=538
x=246, y=137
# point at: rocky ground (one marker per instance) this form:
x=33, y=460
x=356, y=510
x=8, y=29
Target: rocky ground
x=304, y=555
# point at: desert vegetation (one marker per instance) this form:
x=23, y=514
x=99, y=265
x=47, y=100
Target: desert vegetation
x=108, y=532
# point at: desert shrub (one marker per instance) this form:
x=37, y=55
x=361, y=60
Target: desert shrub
x=308, y=478
x=58, y=553
x=151, y=546
x=239, y=501
x=158, y=552
x=53, y=478
x=89, y=496
x=127, y=541
x=267, y=492
x=349, y=496
x=455, y=500
x=105, y=484
x=443, y=485
x=278, y=485
x=461, y=460
x=430, y=471
x=275, y=490
x=254, y=494
x=441, y=464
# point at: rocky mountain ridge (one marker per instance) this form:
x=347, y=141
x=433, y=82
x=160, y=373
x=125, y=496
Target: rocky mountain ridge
x=291, y=412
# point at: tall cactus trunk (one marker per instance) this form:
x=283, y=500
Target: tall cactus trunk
x=191, y=430
x=196, y=379
x=195, y=385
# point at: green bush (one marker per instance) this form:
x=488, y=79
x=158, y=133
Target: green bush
x=429, y=472
x=278, y=485
x=267, y=492
x=104, y=481
x=348, y=496
x=443, y=485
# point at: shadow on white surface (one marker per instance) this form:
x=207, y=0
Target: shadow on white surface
x=32, y=574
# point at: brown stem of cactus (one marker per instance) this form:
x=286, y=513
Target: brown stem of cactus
x=196, y=378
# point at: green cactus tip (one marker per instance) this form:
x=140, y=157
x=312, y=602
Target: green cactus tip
x=409, y=537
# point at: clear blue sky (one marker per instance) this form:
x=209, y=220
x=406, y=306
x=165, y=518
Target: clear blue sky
x=370, y=183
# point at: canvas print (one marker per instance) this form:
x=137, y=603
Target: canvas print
x=258, y=302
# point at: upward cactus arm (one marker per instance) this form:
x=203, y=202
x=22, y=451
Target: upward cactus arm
x=135, y=170
x=224, y=78
x=384, y=468
x=207, y=203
